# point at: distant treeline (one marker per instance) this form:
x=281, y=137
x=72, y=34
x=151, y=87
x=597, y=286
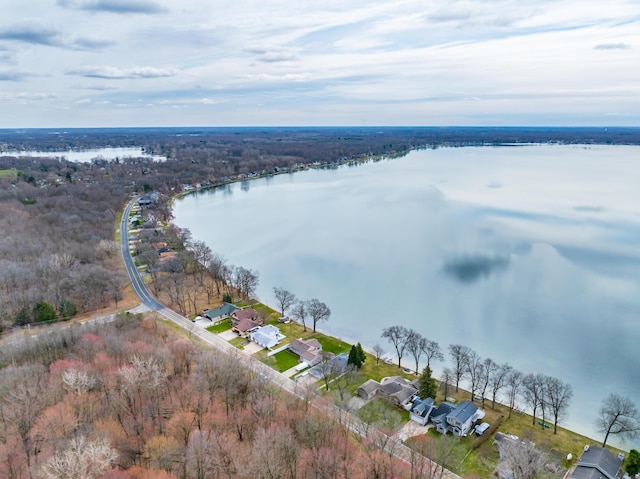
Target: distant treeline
x=57, y=253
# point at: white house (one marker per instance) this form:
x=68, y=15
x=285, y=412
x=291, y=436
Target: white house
x=463, y=417
x=267, y=336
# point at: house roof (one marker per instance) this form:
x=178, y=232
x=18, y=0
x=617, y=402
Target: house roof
x=248, y=313
x=422, y=408
x=224, y=310
x=369, y=386
x=245, y=325
x=443, y=409
x=399, y=388
x=308, y=350
x=267, y=336
x=462, y=412
x=597, y=463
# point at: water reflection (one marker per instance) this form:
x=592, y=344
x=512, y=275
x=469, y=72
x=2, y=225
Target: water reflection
x=528, y=255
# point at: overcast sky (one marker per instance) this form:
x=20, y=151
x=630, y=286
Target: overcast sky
x=91, y=63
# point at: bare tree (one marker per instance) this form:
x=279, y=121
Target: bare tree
x=446, y=379
x=82, y=458
x=415, y=344
x=618, y=416
x=300, y=313
x=489, y=366
x=245, y=281
x=521, y=459
x=460, y=356
x=318, y=311
x=559, y=395
x=514, y=384
x=475, y=370
x=397, y=335
x=285, y=298
x=378, y=351
x=432, y=351
x=533, y=393
x=498, y=380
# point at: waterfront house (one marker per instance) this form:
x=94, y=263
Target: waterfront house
x=248, y=313
x=395, y=389
x=245, y=327
x=597, y=463
x=462, y=418
x=220, y=313
x=309, y=351
x=267, y=336
x=421, y=410
x=439, y=416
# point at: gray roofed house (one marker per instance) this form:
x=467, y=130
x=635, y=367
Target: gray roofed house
x=219, y=313
x=439, y=416
x=368, y=389
x=597, y=463
x=462, y=417
x=267, y=336
x=395, y=389
x=398, y=390
x=309, y=351
x=337, y=365
x=421, y=410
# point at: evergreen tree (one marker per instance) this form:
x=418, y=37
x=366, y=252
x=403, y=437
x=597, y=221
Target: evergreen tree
x=633, y=462
x=362, y=356
x=428, y=386
x=354, y=357
x=45, y=312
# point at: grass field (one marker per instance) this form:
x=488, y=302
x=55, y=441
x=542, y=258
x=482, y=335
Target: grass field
x=222, y=326
x=285, y=360
x=10, y=172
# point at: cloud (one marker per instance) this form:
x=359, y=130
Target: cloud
x=115, y=6
x=494, y=185
x=612, y=46
x=272, y=55
x=113, y=73
x=32, y=33
x=25, y=96
x=91, y=44
x=469, y=269
x=588, y=209
x=13, y=75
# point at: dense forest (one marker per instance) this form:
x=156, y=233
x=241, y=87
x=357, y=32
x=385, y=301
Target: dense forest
x=134, y=400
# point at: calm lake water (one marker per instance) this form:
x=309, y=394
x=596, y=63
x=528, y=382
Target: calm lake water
x=85, y=156
x=527, y=254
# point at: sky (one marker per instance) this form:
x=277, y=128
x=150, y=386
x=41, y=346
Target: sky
x=111, y=63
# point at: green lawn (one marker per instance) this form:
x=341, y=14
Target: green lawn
x=330, y=344
x=222, y=326
x=285, y=360
x=383, y=414
x=10, y=172
x=238, y=342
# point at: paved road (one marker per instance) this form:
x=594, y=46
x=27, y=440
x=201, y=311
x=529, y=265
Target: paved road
x=392, y=445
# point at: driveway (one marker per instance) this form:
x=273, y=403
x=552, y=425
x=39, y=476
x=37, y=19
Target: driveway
x=412, y=429
x=228, y=335
x=252, y=348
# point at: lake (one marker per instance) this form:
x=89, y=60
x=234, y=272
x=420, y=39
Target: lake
x=85, y=156
x=527, y=254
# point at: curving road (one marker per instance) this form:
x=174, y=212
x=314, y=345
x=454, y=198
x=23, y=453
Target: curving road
x=391, y=444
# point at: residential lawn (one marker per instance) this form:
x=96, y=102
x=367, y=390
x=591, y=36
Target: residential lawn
x=267, y=313
x=330, y=344
x=222, y=326
x=10, y=172
x=238, y=342
x=285, y=360
x=383, y=414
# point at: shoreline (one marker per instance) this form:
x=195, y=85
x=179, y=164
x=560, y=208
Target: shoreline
x=576, y=410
